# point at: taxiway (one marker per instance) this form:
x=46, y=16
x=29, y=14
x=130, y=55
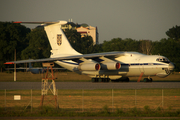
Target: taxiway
x=89, y=85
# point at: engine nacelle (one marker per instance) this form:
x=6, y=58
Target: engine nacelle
x=89, y=66
x=111, y=66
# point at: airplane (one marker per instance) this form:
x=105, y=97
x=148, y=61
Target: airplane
x=101, y=67
x=34, y=70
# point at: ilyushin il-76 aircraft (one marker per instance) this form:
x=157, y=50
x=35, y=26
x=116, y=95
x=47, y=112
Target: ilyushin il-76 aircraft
x=101, y=67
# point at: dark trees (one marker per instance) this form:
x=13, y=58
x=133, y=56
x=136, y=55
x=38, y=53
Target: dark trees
x=39, y=46
x=117, y=44
x=174, y=33
x=83, y=45
x=12, y=36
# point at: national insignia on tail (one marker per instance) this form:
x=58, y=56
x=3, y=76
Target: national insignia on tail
x=59, y=39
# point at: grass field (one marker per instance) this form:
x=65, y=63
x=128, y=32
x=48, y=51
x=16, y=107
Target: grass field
x=118, y=102
x=93, y=102
x=69, y=76
x=97, y=99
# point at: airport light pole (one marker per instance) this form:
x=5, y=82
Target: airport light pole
x=15, y=65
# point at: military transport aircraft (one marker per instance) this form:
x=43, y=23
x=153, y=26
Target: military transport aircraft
x=101, y=67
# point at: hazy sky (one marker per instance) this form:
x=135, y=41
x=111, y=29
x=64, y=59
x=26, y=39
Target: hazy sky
x=136, y=19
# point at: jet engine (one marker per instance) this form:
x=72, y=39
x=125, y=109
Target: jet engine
x=110, y=65
x=89, y=66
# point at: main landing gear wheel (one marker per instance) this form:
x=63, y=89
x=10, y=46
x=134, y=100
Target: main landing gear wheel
x=100, y=79
x=124, y=79
x=147, y=80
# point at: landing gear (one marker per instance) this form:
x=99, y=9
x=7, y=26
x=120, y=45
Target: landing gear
x=147, y=80
x=124, y=79
x=100, y=79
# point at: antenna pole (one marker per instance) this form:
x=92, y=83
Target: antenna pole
x=15, y=65
x=48, y=83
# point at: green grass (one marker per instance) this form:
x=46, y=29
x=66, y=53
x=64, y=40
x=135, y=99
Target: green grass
x=105, y=111
x=95, y=103
x=97, y=98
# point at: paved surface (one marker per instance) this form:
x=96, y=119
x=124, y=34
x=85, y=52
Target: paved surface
x=89, y=85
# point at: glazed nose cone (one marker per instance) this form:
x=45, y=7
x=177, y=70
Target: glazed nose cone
x=171, y=66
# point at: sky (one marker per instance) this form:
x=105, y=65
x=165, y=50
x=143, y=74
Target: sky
x=136, y=19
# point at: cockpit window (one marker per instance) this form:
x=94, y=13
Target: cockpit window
x=165, y=60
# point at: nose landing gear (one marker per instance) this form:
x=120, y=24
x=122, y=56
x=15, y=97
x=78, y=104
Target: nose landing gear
x=147, y=80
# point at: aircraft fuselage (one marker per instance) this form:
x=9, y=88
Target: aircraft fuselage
x=132, y=64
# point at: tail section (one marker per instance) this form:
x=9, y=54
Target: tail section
x=58, y=41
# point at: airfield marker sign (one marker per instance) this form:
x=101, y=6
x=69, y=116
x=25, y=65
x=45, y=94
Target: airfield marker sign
x=17, y=97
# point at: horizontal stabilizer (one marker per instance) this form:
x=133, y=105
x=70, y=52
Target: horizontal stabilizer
x=44, y=23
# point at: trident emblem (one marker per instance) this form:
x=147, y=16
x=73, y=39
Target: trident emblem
x=59, y=39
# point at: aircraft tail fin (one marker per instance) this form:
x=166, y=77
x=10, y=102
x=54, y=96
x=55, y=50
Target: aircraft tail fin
x=58, y=41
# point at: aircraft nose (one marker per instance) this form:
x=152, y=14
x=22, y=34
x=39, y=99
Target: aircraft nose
x=171, y=66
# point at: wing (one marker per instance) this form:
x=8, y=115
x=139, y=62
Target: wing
x=87, y=56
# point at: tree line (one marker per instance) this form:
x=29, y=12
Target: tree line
x=34, y=44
